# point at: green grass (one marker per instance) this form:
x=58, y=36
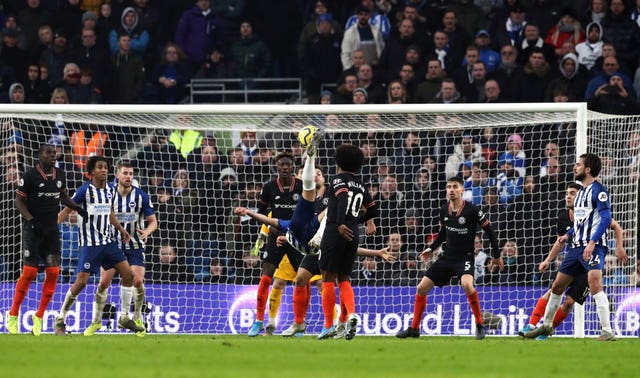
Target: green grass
x=240, y=356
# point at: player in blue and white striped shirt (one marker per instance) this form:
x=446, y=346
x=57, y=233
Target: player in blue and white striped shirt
x=588, y=247
x=132, y=208
x=97, y=243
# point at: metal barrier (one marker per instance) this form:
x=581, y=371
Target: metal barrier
x=279, y=89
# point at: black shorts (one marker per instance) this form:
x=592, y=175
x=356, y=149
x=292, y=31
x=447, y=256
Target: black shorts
x=337, y=255
x=274, y=254
x=446, y=267
x=38, y=246
x=579, y=288
x=310, y=263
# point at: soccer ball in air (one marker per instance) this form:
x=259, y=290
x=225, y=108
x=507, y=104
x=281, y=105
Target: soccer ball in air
x=306, y=135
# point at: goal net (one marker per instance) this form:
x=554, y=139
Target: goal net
x=200, y=162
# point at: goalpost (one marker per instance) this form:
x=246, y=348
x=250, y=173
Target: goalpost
x=201, y=277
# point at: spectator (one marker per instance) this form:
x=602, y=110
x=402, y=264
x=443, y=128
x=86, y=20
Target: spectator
x=31, y=19
x=390, y=271
x=36, y=91
x=248, y=267
x=362, y=35
x=571, y=75
x=139, y=38
x=612, y=274
x=249, y=145
x=215, y=67
x=568, y=28
x=463, y=76
x=366, y=273
x=613, y=98
x=391, y=204
x=512, y=31
x=610, y=67
x=634, y=279
x=69, y=250
x=169, y=268
x=509, y=73
x=476, y=185
x=88, y=55
x=552, y=183
x=449, y=59
x=591, y=49
x=514, y=266
x=11, y=54
x=392, y=56
x=624, y=33
x=465, y=151
x=16, y=93
x=427, y=90
x=320, y=57
x=482, y=260
x=421, y=195
x=375, y=92
x=127, y=77
x=357, y=59
x=376, y=19
x=448, y=93
x=396, y=93
x=68, y=16
x=408, y=157
x=11, y=22
x=199, y=31
x=474, y=92
x=56, y=56
x=492, y=92
x=172, y=75
x=508, y=182
x=313, y=26
x=409, y=81
x=231, y=12
x=77, y=92
x=536, y=78
x=149, y=20
x=344, y=93
x=533, y=40
x=457, y=36
x=595, y=12
x=106, y=22
x=469, y=15
x=487, y=55
x=250, y=56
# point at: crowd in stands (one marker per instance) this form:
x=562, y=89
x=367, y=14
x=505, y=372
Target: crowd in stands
x=374, y=52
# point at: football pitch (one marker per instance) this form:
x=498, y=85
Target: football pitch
x=240, y=356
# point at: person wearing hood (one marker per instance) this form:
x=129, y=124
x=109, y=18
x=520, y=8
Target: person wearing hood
x=129, y=25
x=568, y=28
x=571, y=75
x=199, y=31
x=591, y=49
x=16, y=93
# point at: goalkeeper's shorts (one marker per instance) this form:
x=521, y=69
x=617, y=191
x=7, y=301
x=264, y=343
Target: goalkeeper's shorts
x=286, y=272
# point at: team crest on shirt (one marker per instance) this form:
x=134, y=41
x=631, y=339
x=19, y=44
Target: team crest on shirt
x=21, y=182
x=337, y=181
x=462, y=220
x=132, y=204
x=602, y=197
x=27, y=253
x=296, y=196
x=480, y=213
x=59, y=184
x=325, y=201
x=109, y=195
x=87, y=265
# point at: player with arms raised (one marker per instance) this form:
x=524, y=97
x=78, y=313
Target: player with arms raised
x=132, y=207
x=281, y=195
x=97, y=245
x=347, y=195
x=459, y=220
x=38, y=200
x=578, y=290
x=592, y=217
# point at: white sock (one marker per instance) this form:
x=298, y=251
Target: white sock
x=309, y=173
x=98, y=304
x=552, y=307
x=602, y=308
x=125, y=300
x=317, y=238
x=69, y=299
x=138, y=301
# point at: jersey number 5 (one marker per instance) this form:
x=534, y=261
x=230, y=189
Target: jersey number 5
x=354, y=203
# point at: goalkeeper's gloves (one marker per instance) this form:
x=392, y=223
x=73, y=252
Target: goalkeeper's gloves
x=259, y=244
x=82, y=212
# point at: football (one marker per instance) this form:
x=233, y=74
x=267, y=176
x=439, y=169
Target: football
x=306, y=135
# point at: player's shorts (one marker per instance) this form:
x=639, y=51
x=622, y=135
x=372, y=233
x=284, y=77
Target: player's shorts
x=135, y=256
x=337, y=255
x=274, y=254
x=38, y=246
x=93, y=257
x=574, y=265
x=579, y=288
x=311, y=264
x=286, y=272
x=304, y=222
x=445, y=267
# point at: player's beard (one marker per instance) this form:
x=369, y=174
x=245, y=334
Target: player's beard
x=580, y=176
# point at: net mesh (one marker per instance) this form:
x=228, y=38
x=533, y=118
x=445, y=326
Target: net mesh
x=198, y=167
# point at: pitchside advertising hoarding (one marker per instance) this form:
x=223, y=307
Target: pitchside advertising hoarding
x=230, y=309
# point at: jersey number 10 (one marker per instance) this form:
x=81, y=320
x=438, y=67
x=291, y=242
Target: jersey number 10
x=354, y=204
